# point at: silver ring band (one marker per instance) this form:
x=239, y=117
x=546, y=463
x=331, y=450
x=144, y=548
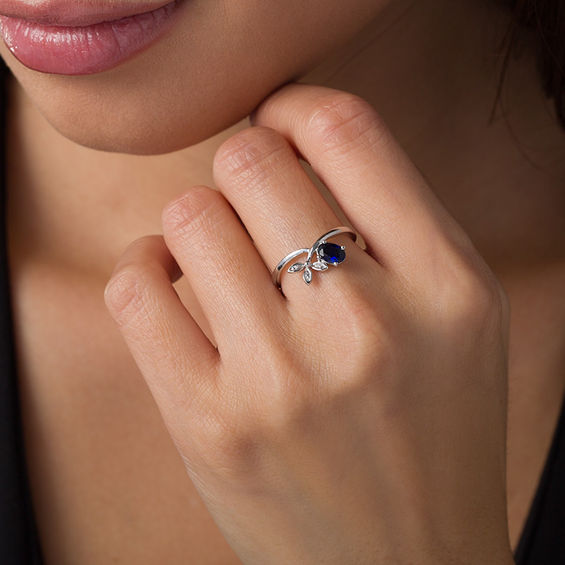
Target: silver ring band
x=326, y=253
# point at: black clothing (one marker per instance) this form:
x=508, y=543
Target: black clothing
x=19, y=543
x=543, y=538
x=542, y=541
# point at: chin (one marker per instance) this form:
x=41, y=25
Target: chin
x=151, y=105
x=206, y=74
x=136, y=116
x=141, y=129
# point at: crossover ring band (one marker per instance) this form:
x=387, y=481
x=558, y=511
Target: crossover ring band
x=326, y=254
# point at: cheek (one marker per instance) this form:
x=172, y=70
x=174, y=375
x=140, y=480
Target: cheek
x=215, y=65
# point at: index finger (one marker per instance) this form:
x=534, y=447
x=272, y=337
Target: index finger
x=373, y=180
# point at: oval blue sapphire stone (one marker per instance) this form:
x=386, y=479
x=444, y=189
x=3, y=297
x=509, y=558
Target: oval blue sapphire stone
x=331, y=253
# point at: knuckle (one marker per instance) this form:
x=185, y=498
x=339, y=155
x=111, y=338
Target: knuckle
x=343, y=121
x=232, y=448
x=285, y=406
x=126, y=293
x=357, y=368
x=484, y=301
x=474, y=297
x=367, y=337
x=284, y=393
x=194, y=212
x=250, y=156
x=362, y=323
x=370, y=358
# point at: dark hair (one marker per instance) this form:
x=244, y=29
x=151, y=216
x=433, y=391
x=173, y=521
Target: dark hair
x=544, y=20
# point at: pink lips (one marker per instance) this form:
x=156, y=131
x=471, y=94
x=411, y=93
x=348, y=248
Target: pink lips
x=74, y=38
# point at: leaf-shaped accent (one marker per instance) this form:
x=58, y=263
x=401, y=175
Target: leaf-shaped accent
x=296, y=267
x=319, y=266
x=307, y=275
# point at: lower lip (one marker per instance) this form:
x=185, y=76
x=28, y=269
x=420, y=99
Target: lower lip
x=84, y=50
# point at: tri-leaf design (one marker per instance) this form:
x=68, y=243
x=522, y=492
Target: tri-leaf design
x=306, y=267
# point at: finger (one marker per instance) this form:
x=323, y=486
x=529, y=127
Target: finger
x=371, y=177
x=175, y=357
x=259, y=173
x=224, y=269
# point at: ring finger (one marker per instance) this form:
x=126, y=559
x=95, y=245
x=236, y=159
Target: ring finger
x=258, y=172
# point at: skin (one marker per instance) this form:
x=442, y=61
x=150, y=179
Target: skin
x=162, y=115
x=478, y=182
x=319, y=445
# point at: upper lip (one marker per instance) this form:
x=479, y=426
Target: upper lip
x=73, y=13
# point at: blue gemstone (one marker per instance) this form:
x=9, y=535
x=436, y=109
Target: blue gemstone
x=331, y=253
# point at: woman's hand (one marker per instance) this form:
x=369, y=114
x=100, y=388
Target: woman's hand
x=358, y=419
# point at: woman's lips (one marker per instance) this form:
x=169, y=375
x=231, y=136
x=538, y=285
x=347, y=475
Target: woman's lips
x=105, y=40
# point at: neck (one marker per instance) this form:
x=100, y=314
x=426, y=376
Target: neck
x=430, y=69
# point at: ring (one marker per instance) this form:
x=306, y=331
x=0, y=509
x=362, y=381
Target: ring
x=326, y=253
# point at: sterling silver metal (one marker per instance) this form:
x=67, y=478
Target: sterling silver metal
x=308, y=265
